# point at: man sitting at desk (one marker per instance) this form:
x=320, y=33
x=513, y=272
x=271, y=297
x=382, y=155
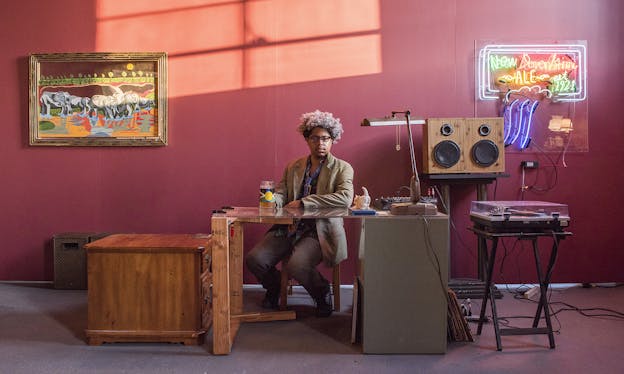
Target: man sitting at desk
x=319, y=180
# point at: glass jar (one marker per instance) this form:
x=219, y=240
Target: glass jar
x=267, y=195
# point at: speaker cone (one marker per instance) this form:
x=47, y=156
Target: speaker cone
x=446, y=153
x=484, y=152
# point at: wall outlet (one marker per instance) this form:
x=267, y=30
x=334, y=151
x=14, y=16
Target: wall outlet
x=529, y=164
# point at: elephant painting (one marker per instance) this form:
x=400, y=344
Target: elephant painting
x=58, y=99
x=82, y=103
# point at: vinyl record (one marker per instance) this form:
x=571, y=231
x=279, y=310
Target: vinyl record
x=446, y=153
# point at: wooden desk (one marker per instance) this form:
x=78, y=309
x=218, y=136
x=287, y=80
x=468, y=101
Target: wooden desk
x=227, y=291
x=406, y=245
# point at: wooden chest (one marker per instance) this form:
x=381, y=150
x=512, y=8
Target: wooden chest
x=149, y=288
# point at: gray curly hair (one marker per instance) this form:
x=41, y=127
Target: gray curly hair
x=325, y=120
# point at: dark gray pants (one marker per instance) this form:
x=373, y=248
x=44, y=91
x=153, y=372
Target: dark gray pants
x=305, y=255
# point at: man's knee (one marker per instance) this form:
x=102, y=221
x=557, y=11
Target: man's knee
x=298, y=265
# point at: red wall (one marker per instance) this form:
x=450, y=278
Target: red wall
x=223, y=143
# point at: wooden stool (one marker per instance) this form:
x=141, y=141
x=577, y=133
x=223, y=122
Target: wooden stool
x=286, y=285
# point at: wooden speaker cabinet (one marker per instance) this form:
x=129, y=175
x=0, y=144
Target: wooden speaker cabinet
x=443, y=150
x=463, y=145
x=484, y=143
x=149, y=288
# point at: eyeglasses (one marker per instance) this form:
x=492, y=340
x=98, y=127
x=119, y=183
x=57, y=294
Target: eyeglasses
x=321, y=139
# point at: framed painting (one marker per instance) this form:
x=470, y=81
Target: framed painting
x=98, y=99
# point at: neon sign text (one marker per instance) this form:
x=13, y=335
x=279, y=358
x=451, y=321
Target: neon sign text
x=523, y=78
x=561, y=83
x=551, y=65
x=498, y=62
x=559, y=69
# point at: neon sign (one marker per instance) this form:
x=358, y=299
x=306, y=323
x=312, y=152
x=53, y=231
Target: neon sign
x=559, y=69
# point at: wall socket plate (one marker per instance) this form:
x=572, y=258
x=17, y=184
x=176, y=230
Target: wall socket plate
x=529, y=164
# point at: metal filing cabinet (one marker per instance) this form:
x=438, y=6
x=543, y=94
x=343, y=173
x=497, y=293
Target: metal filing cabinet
x=404, y=276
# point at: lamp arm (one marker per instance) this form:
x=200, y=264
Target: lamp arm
x=414, y=181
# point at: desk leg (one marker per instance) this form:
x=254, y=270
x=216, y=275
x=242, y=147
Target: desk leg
x=236, y=275
x=544, y=282
x=221, y=340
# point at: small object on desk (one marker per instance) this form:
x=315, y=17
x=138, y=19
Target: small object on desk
x=410, y=208
x=362, y=202
x=363, y=212
x=267, y=195
x=384, y=203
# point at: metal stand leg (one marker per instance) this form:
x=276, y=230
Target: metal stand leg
x=489, y=291
x=544, y=282
x=543, y=276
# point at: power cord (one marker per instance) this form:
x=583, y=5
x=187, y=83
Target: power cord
x=550, y=184
x=433, y=256
x=583, y=311
x=454, y=227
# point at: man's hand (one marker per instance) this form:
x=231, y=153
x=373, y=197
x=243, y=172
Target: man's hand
x=294, y=204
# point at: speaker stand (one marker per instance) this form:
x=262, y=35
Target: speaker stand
x=466, y=288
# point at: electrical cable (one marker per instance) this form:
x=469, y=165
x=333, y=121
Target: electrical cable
x=583, y=311
x=431, y=252
x=549, y=186
x=454, y=227
x=565, y=149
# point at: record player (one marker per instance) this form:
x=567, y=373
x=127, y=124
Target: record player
x=520, y=215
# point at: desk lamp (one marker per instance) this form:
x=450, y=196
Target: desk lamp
x=416, y=206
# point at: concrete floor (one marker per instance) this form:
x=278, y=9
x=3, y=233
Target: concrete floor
x=42, y=331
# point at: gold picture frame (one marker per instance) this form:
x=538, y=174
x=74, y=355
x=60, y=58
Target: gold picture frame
x=98, y=99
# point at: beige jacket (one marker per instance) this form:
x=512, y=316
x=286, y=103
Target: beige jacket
x=334, y=189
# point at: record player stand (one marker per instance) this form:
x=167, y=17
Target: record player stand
x=543, y=279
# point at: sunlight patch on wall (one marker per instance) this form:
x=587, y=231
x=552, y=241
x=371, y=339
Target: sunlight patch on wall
x=175, y=31
x=216, y=46
x=308, y=61
x=117, y=8
x=192, y=75
x=279, y=20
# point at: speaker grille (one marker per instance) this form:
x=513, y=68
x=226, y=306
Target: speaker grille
x=70, y=261
x=484, y=153
x=446, y=153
